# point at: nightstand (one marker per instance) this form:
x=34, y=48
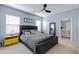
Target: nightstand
x=9, y=40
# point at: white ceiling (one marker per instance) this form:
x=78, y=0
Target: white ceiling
x=35, y=8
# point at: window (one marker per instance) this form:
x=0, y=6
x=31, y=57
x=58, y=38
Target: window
x=38, y=23
x=12, y=24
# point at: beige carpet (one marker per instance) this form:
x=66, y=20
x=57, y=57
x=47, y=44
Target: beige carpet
x=60, y=49
x=66, y=42
x=19, y=48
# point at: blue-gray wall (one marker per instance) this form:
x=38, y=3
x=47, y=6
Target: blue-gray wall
x=0, y=21
x=7, y=10
x=58, y=17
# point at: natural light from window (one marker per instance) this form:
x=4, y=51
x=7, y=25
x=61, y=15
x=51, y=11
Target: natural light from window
x=38, y=23
x=12, y=24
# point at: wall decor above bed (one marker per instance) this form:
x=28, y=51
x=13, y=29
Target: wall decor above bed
x=29, y=20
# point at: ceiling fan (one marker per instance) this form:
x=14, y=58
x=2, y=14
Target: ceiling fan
x=44, y=8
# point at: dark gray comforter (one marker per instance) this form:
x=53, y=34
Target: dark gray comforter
x=33, y=39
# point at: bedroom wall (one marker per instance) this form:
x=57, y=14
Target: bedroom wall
x=1, y=24
x=58, y=17
x=45, y=26
x=7, y=10
x=0, y=21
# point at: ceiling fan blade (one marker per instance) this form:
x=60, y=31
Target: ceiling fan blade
x=48, y=11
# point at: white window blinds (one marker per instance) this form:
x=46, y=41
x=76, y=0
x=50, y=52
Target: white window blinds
x=12, y=24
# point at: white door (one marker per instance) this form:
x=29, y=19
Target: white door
x=66, y=29
x=66, y=32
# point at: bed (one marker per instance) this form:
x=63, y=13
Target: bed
x=36, y=41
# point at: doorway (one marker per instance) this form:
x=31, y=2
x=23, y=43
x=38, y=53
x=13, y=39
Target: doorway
x=66, y=32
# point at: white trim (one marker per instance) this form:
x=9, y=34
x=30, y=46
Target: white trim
x=69, y=18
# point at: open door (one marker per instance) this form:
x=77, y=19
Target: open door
x=66, y=29
x=66, y=32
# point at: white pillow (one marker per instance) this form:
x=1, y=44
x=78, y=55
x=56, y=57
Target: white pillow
x=32, y=31
x=36, y=32
x=27, y=33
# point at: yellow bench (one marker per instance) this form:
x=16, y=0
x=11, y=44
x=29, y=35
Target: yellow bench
x=8, y=40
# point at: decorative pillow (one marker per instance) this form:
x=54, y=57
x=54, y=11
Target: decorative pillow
x=23, y=31
x=27, y=33
x=32, y=31
x=36, y=32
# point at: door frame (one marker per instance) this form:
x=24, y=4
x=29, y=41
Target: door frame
x=71, y=18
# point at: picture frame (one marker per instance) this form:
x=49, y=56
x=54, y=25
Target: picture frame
x=28, y=20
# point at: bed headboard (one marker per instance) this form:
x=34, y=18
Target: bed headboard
x=27, y=27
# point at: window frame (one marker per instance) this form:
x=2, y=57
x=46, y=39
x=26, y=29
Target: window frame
x=12, y=24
